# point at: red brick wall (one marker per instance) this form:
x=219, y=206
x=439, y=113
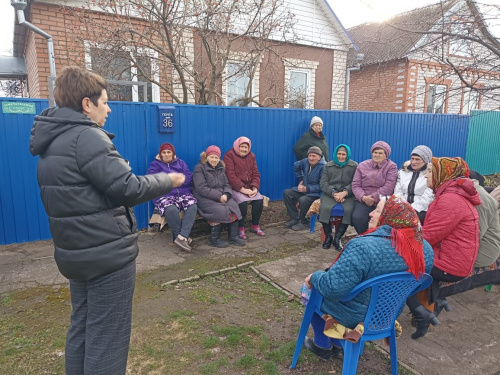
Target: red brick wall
x=67, y=31
x=375, y=87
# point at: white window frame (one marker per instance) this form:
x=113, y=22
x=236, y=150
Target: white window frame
x=155, y=89
x=301, y=66
x=251, y=82
x=307, y=72
x=471, y=96
x=432, y=97
x=242, y=58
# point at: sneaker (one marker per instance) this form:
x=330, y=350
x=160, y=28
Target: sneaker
x=190, y=240
x=323, y=354
x=183, y=244
x=257, y=231
x=242, y=235
x=301, y=226
x=291, y=223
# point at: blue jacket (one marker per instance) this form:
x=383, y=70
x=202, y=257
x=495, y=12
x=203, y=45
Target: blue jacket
x=363, y=258
x=310, y=179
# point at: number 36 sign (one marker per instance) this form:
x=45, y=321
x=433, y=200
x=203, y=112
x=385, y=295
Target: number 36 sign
x=166, y=119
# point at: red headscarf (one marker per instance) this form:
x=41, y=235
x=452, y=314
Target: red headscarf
x=406, y=233
x=167, y=146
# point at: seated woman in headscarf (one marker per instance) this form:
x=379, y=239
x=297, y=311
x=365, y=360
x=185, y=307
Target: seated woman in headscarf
x=244, y=177
x=374, y=177
x=393, y=243
x=337, y=191
x=452, y=229
x=412, y=185
x=214, y=195
x=179, y=199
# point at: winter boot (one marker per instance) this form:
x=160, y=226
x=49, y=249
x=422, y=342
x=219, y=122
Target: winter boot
x=215, y=237
x=423, y=318
x=441, y=304
x=327, y=229
x=342, y=228
x=232, y=236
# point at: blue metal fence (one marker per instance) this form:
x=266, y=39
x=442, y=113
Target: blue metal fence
x=273, y=132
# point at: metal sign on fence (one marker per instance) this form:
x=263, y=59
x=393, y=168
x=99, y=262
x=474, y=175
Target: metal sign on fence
x=19, y=107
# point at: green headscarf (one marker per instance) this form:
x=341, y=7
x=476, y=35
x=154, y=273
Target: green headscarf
x=334, y=156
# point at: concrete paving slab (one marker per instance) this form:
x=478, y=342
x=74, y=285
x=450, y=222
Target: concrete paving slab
x=467, y=342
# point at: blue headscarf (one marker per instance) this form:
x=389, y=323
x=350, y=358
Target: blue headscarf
x=334, y=156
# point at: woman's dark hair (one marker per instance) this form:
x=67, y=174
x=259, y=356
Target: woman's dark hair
x=74, y=84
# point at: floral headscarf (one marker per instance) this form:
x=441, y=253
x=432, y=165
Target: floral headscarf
x=406, y=234
x=446, y=169
x=334, y=156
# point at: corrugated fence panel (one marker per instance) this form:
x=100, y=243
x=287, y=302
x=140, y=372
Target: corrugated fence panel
x=483, y=143
x=273, y=133
x=22, y=217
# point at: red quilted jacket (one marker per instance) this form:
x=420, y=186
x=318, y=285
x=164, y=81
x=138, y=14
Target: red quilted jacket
x=452, y=227
x=241, y=171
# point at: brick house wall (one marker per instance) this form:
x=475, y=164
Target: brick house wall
x=379, y=87
x=66, y=29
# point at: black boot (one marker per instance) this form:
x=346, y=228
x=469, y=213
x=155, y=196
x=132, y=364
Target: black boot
x=215, y=237
x=441, y=304
x=423, y=318
x=342, y=228
x=327, y=229
x=232, y=236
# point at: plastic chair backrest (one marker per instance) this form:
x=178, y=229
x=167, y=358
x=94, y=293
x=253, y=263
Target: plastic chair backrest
x=388, y=294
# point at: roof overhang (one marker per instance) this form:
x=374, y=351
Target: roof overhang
x=13, y=67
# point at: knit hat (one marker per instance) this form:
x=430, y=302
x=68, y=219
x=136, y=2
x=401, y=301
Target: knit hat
x=382, y=145
x=212, y=150
x=239, y=142
x=446, y=169
x=316, y=119
x=315, y=150
x=167, y=146
x=423, y=152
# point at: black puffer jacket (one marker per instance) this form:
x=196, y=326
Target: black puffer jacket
x=87, y=190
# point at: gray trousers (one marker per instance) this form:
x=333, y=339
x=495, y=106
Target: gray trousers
x=99, y=334
x=178, y=226
x=291, y=197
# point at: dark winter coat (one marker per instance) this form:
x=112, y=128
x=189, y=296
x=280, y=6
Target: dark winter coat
x=175, y=166
x=310, y=177
x=209, y=185
x=452, y=227
x=337, y=179
x=88, y=191
x=363, y=258
x=242, y=171
x=308, y=140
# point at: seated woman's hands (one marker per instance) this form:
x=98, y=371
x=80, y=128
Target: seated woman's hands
x=368, y=200
x=308, y=281
x=340, y=196
x=223, y=198
x=177, y=179
x=246, y=191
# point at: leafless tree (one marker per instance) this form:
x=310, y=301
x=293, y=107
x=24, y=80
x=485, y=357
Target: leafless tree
x=157, y=41
x=12, y=87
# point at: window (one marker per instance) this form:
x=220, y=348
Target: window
x=238, y=79
x=471, y=100
x=117, y=64
x=458, y=45
x=436, y=97
x=298, y=88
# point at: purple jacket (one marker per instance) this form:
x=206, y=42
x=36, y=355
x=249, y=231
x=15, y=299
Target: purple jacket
x=372, y=179
x=176, y=166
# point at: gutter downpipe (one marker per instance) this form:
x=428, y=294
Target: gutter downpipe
x=359, y=58
x=19, y=6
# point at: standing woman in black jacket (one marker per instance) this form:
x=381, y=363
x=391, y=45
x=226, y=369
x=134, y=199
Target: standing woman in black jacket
x=88, y=191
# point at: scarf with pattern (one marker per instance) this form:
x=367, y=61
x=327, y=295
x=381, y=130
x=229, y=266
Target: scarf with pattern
x=446, y=169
